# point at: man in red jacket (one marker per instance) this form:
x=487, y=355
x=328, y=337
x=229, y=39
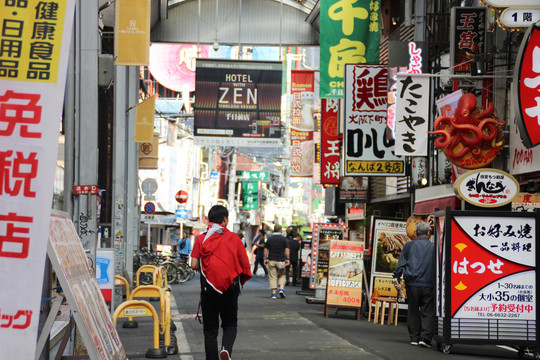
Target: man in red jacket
x=221, y=257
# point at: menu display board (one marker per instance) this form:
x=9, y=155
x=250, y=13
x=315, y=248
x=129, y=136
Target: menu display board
x=345, y=273
x=82, y=290
x=320, y=252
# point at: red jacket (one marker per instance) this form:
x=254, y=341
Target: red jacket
x=222, y=259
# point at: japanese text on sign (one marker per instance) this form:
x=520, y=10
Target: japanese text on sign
x=30, y=40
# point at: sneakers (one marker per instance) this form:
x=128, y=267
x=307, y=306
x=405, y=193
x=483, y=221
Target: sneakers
x=424, y=344
x=224, y=355
x=414, y=343
x=273, y=297
x=282, y=294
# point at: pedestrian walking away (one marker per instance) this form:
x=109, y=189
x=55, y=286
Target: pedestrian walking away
x=276, y=257
x=416, y=265
x=220, y=256
x=293, y=240
x=258, y=249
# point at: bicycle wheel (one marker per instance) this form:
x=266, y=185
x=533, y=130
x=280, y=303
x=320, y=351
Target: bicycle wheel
x=172, y=272
x=183, y=275
x=146, y=278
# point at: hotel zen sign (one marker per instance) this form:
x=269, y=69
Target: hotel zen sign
x=486, y=187
x=527, y=86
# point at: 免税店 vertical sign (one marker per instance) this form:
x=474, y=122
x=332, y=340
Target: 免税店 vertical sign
x=330, y=142
x=368, y=152
x=349, y=35
x=526, y=93
x=35, y=39
x=302, y=123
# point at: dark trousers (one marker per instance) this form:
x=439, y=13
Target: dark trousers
x=215, y=306
x=259, y=260
x=421, y=315
x=294, y=274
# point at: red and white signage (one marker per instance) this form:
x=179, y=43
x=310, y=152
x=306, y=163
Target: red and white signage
x=85, y=190
x=302, y=123
x=330, y=142
x=181, y=196
x=35, y=38
x=492, y=268
x=527, y=93
x=486, y=187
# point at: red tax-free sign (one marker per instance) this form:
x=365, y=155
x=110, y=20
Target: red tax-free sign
x=527, y=80
x=181, y=196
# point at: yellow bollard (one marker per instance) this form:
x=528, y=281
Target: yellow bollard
x=145, y=268
x=141, y=308
x=120, y=280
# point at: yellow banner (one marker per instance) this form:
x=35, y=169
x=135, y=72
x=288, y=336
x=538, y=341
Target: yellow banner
x=31, y=40
x=345, y=274
x=132, y=32
x=144, y=120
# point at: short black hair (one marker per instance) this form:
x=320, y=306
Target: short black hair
x=217, y=213
x=263, y=232
x=277, y=228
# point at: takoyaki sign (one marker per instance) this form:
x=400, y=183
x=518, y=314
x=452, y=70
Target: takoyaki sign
x=345, y=272
x=486, y=187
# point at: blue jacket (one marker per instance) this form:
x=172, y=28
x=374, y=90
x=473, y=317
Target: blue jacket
x=417, y=263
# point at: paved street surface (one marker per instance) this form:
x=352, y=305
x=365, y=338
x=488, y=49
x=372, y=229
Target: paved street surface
x=291, y=328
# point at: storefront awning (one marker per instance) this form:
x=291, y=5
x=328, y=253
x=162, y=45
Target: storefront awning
x=429, y=206
x=435, y=197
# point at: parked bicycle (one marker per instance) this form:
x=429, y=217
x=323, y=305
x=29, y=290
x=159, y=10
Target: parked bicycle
x=177, y=267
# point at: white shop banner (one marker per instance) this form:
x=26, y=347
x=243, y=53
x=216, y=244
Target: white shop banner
x=367, y=149
x=32, y=82
x=412, y=115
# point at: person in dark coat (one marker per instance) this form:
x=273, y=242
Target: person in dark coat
x=258, y=245
x=293, y=240
x=417, y=266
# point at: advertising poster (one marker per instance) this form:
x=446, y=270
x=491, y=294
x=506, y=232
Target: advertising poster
x=33, y=64
x=322, y=235
x=353, y=189
x=302, y=123
x=467, y=37
x=82, y=291
x=105, y=272
x=238, y=103
x=368, y=152
x=526, y=202
x=412, y=115
x=389, y=236
x=330, y=142
x=345, y=273
x=349, y=35
x=305, y=255
x=492, y=267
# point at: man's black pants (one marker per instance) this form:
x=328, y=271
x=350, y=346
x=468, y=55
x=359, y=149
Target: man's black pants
x=421, y=315
x=215, y=306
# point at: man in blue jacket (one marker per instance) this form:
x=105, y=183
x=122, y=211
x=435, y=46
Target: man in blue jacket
x=417, y=265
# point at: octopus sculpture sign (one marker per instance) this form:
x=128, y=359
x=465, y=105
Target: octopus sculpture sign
x=472, y=137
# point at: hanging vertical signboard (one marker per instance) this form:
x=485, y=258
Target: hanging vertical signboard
x=367, y=150
x=525, y=94
x=302, y=123
x=238, y=103
x=35, y=41
x=412, y=115
x=330, y=142
x=320, y=254
x=349, y=35
x=487, y=275
x=132, y=32
x=467, y=37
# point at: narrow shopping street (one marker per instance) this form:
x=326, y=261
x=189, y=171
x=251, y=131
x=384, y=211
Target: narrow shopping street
x=291, y=328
